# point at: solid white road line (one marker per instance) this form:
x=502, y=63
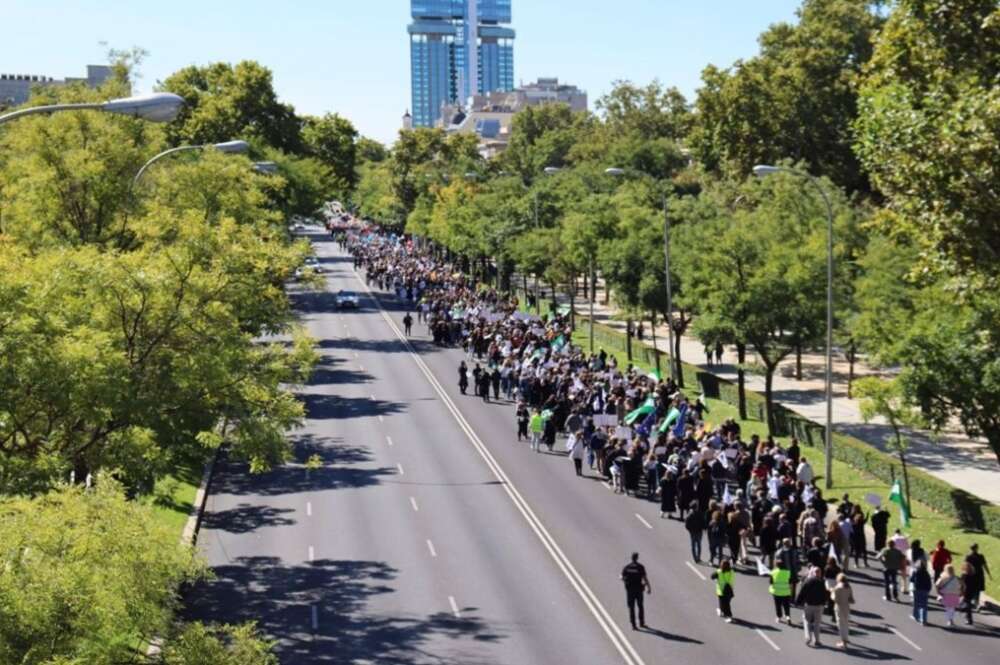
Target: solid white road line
x=430, y=546
x=413, y=502
x=400, y=467
x=696, y=571
x=381, y=419
x=454, y=607
x=315, y=617
x=388, y=440
x=309, y=508
x=373, y=396
x=768, y=640
x=644, y=522
x=905, y=638
x=312, y=553
x=590, y=599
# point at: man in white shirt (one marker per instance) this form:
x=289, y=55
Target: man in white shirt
x=804, y=472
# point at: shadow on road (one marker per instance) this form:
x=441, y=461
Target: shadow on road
x=282, y=598
x=246, y=518
x=339, y=407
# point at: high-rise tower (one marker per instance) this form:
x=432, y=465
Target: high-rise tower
x=458, y=48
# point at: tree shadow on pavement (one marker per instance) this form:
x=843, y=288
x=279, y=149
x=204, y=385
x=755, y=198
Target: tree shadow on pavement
x=339, y=407
x=282, y=597
x=234, y=477
x=246, y=518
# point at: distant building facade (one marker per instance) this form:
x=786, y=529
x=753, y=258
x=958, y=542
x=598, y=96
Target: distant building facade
x=458, y=48
x=15, y=89
x=491, y=115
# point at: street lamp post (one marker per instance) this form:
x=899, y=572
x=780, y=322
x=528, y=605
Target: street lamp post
x=229, y=147
x=155, y=107
x=265, y=168
x=764, y=170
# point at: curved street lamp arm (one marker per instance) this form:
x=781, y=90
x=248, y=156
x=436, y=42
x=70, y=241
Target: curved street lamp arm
x=51, y=108
x=165, y=153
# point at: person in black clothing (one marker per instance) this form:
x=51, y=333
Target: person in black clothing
x=980, y=569
x=407, y=324
x=463, y=377
x=495, y=382
x=880, y=525
x=634, y=576
x=695, y=525
x=685, y=493
x=668, y=494
x=523, y=416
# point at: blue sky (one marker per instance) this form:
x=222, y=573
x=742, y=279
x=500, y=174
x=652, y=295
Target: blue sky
x=352, y=56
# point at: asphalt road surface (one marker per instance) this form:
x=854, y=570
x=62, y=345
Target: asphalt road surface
x=430, y=536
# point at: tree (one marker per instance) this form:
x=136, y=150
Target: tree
x=90, y=577
x=223, y=102
x=796, y=100
x=929, y=132
x=333, y=141
x=888, y=399
x=542, y=136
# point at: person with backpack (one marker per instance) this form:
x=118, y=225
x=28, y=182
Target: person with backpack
x=724, y=578
x=812, y=597
x=921, y=584
x=695, y=525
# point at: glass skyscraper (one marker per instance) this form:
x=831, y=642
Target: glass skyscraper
x=458, y=48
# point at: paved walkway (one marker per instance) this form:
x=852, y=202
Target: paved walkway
x=951, y=456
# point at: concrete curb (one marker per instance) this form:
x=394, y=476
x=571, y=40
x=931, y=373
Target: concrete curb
x=190, y=534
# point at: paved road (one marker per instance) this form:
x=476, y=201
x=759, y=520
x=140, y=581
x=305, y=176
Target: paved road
x=430, y=536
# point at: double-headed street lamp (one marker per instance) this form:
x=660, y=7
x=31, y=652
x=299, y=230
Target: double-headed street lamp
x=155, y=107
x=228, y=147
x=762, y=171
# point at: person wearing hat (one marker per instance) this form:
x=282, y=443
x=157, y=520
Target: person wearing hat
x=980, y=569
x=634, y=577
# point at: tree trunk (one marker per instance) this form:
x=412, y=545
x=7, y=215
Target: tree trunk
x=678, y=367
x=741, y=379
x=628, y=339
x=852, y=357
x=798, y=362
x=607, y=293
x=593, y=286
x=906, y=481
x=572, y=304
x=656, y=351
x=769, y=397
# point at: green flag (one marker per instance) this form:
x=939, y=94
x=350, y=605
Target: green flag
x=655, y=375
x=669, y=420
x=896, y=496
x=648, y=407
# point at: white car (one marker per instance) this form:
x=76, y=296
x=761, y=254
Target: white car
x=313, y=264
x=347, y=299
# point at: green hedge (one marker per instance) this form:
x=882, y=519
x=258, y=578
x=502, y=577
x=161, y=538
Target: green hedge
x=970, y=511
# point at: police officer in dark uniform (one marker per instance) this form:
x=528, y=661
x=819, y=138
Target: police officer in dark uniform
x=634, y=576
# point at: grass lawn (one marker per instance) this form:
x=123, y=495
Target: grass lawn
x=173, y=497
x=927, y=525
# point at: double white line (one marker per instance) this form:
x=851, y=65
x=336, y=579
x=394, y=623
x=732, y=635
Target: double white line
x=618, y=639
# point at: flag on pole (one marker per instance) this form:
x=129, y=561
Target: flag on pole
x=727, y=497
x=896, y=496
x=681, y=424
x=655, y=375
x=647, y=407
x=646, y=426
x=669, y=420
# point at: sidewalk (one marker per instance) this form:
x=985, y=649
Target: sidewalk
x=951, y=456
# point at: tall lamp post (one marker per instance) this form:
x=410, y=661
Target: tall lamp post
x=155, y=107
x=764, y=170
x=228, y=147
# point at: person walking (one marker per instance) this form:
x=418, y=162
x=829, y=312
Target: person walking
x=892, y=562
x=940, y=557
x=668, y=494
x=789, y=555
x=407, y=324
x=695, y=525
x=576, y=449
x=812, y=597
x=843, y=598
x=724, y=578
x=949, y=588
x=537, y=426
x=634, y=577
x=781, y=591
x=969, y=593
x=980, y=570
x=463, y=377
x=523, y=417
x=921, y=585
x=880, y=525
x=716, y=537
